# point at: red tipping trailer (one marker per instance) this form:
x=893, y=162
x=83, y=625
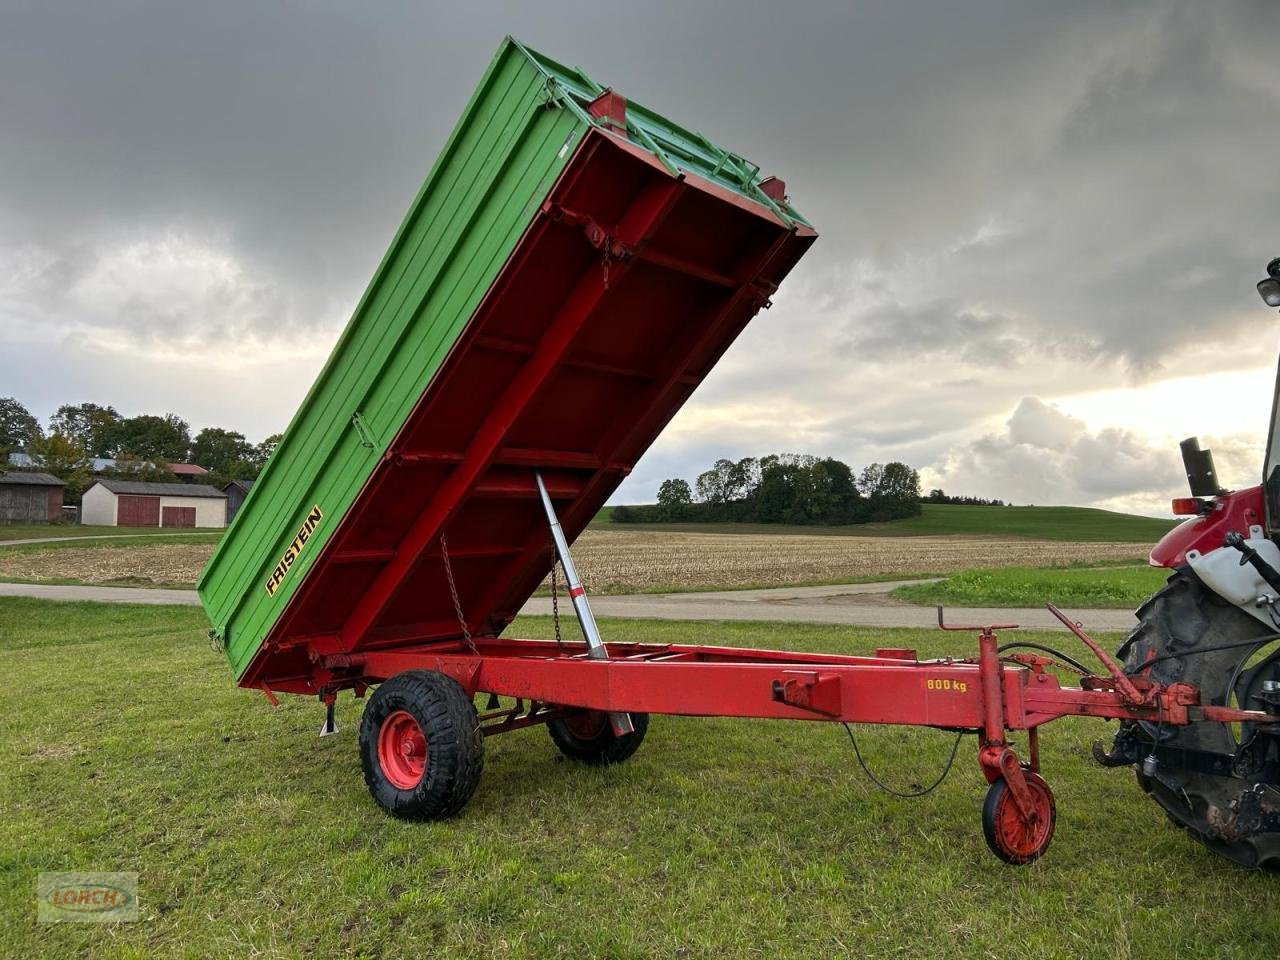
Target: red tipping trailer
x=573, y=269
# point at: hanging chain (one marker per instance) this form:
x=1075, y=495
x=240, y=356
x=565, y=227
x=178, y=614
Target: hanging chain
x=606, y=263
x=555, y=595
x=453, y=592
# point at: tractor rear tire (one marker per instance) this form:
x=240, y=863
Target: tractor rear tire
x=421, y=746
x=586, y=736
x=1188, y=621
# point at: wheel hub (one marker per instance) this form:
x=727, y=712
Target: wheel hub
x=402, y=750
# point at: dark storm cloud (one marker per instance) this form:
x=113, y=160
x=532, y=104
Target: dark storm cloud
x=1015, y=199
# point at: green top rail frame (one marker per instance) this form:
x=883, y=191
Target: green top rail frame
x=573, y=267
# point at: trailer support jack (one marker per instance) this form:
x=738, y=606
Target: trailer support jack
x=596, y=650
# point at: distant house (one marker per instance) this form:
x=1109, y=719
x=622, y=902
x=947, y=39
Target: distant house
x=187, y=472
x=236, y=491
x=100, y=466
x=133, y=503
x=29, y=497
x=97, y=465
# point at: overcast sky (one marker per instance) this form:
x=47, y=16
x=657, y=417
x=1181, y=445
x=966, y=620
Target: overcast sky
x=1041, y=223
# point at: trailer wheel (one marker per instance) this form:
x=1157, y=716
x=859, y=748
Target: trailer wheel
x=1010, y=837
x=586, y=736
x=421, y=746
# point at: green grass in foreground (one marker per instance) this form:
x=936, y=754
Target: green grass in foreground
x=1119, y=587
x=34, y=531
x=1046, y=523
x=126, y=747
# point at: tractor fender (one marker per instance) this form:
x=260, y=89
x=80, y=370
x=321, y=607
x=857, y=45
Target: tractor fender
x=1240, y=512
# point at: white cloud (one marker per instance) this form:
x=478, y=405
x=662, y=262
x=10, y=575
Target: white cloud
x=1061, y=201
x=169, y=296
x=1045, y=456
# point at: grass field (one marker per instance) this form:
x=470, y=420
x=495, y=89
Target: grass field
x=33, y=531
x=1044, y=523
x=1119, y=587
x=126, y=747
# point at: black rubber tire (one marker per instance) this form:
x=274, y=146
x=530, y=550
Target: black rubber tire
x=998, y=795
x=1182, y=618
x=455, y=745
x=601, y=749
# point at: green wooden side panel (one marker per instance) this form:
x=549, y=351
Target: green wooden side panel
x=495, y=171
x=515, y=137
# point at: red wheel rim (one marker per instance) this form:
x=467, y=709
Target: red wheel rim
x=1024, y=841
x=402, y=750
x=586, y=724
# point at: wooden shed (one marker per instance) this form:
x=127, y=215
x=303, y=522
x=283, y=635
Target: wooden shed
x=27, y=497
x=131, y=503
x=236, y=491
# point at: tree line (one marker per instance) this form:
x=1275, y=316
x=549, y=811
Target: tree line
x=784, y=488
x=938, y=495
x=143, y=446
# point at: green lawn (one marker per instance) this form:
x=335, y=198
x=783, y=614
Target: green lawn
x=1119, y=587
x=126, y=747
x=32, y=531
x=1047, y=523
x=83, y=543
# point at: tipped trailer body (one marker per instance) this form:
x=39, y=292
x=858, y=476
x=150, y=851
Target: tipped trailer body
x=572, y=269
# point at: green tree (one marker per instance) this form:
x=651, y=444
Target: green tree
x=675, y=500
x=779, y=488
x=263, y=451
x=18, y=428
x=224, y=453
x=624, y=514
x=893, y=490
x=899, y=482
x=870, y=478
x=149, y=437
x=95, y=428
x=835, y=495
x=66, y=459
x=712, y=485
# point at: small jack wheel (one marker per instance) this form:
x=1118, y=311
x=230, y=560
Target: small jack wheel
x=1010, y=837
x=586, y=736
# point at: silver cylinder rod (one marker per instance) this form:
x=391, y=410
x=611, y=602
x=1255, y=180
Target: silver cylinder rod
x=596, y=650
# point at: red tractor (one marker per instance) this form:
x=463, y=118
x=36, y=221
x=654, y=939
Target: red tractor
x=1216, y=625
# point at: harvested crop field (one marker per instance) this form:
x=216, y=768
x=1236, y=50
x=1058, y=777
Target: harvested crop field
x=632, y=561
x=143, y=564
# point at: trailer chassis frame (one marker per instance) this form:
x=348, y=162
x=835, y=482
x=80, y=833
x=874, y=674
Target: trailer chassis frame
x=991, y=695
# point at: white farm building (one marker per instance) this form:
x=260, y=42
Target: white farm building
x=131, y=503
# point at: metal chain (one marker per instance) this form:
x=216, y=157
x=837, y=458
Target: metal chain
x=555, y=596
x=453, y=592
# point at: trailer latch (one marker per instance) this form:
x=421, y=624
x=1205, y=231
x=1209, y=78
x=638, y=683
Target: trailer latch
x=819, y=692
x=363, y=431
